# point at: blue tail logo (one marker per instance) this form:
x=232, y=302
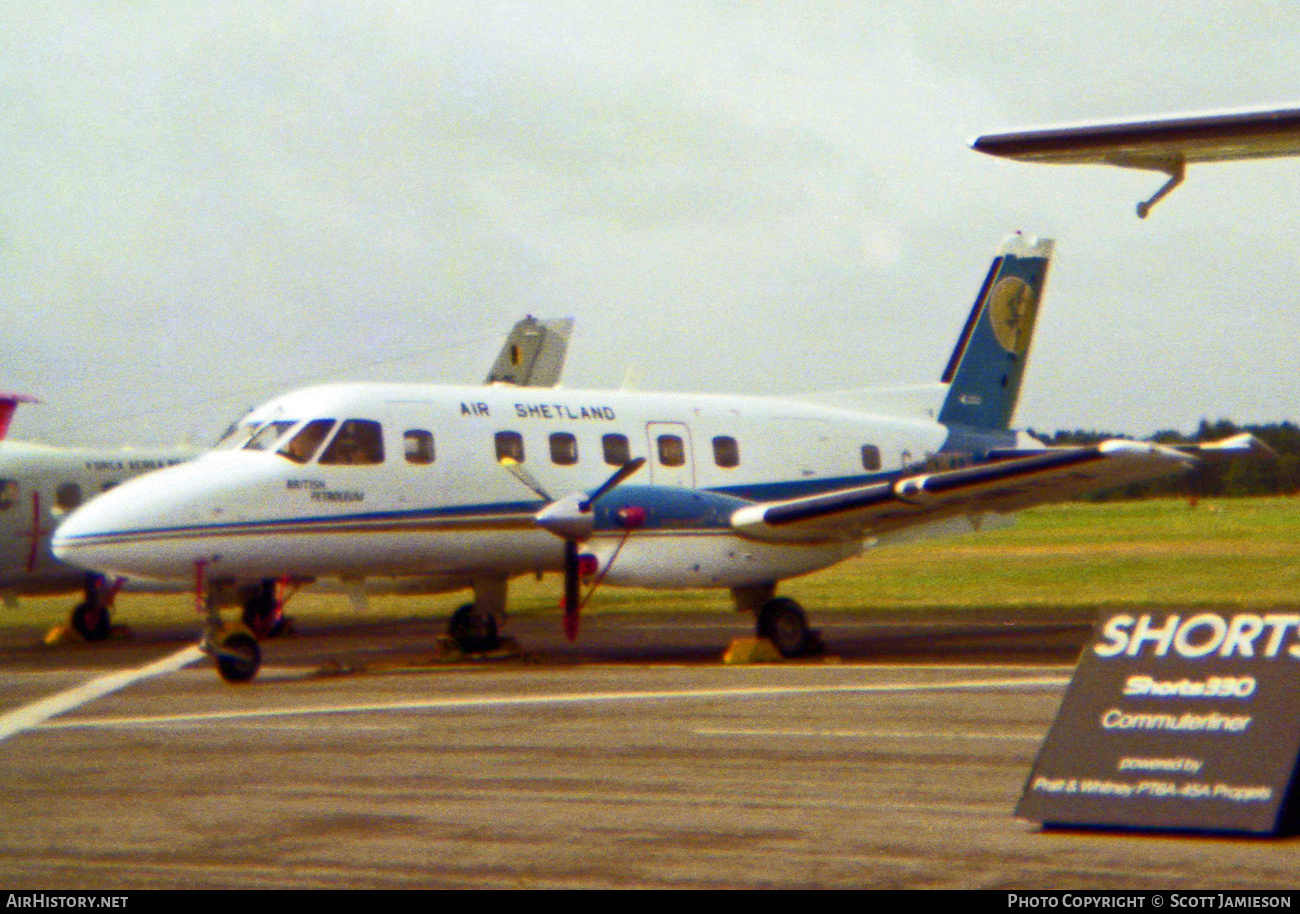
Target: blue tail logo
x=988, y=363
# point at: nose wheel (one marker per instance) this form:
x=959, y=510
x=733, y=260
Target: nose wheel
x=92, y=621
x=236, y=653
x=92, y=617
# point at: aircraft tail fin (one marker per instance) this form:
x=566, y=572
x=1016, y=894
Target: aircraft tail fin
x=8, y=403
x=533, y=354
x=988, y=362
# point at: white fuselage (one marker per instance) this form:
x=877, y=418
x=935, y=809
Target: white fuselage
x=438, y=502
x=39, y=486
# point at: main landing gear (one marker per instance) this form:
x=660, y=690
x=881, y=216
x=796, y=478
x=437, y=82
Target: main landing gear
x=91, y=618
x=264, y=611
x=474, y=626
x=778, y=619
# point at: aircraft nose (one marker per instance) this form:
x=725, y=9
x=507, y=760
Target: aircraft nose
x=124, y=531
x=92, y=537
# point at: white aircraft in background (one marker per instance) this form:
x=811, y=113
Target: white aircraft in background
x=737, y=492
x=1166, y=144
x=40, y=484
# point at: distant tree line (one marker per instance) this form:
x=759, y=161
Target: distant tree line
x=1214, y=477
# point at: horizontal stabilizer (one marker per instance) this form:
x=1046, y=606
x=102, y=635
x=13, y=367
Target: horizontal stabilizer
x=8, y=403
x=1242, y=445
x=1012, y=484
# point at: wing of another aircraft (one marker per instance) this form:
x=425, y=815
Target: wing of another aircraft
x=1166, y=145
x=1010, y=484
x=533, y=354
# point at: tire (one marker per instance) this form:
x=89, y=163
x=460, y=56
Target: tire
x=238, y=657
x=473, y=632
x=92, y=623
x=781, y=621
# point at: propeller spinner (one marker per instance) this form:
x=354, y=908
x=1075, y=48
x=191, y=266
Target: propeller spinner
x=572, y=519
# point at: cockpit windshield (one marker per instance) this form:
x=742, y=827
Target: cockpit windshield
x=269, y=434
x=306, y=440
x=236, y=436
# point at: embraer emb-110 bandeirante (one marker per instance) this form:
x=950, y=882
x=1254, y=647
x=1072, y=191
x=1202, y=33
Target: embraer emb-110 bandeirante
x=40, y=484
x=478, y=484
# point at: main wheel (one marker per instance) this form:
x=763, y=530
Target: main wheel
x=238, y=656
x=92, y=622
x=781, y=621
x=473, y=632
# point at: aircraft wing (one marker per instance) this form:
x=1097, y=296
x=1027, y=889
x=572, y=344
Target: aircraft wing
x=1160, y=144
x=533, y=354
x=1001, y=486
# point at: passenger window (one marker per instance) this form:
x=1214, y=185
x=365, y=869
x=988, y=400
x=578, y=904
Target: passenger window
x=870, y=457
x=564, y=448
x=302, y=446
x=616, y=448
x=67, y=496
x=672, y=453
x=726, y=453
x=359, y=442
x=419, y=446
x=268, y=434
x=510, y=444
x=8, y=493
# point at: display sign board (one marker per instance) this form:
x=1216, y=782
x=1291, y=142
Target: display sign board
x=1176, y=720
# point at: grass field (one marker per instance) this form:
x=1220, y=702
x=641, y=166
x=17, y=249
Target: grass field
x=1243, y=552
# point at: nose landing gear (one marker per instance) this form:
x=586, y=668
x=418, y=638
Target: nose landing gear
x=236, y=653
x=92, y=617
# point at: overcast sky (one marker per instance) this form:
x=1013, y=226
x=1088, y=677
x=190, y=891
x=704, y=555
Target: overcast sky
x=208, y=204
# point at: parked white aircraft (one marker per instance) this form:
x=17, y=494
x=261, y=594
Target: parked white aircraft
x=40, y=484
x=733, y=492
x=1165, y=144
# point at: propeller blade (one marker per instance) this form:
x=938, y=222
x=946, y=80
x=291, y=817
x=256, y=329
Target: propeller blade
x=516, y=470
x=620, y=474
x=571, y=584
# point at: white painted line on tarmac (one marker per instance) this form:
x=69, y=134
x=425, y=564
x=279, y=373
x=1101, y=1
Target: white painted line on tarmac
x=563, y=698
x=867, y=734
x=38, y=712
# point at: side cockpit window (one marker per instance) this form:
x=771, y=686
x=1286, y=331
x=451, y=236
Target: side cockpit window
x=269, y=434
x=359, y=442
x=304, y=444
